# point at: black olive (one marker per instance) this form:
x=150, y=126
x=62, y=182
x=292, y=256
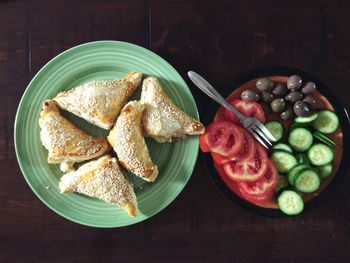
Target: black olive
x=294, y=82
x=277, y=105
x=264, y=84
x=308, y=88
x=287, y=114
x=250, y=95
x=311, y=102
x=280, y=89
x=301, y=109
x=294, y=96
x=267, y=96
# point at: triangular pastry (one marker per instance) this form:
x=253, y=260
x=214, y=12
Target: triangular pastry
x=104, y=180
x=128, y=142
x=64, y=141
x=99, y=101
x=162, y=119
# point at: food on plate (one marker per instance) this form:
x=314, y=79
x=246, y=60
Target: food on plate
x=301, y=109
x=294, y=96
x=266, y=96
x=276, y=129
x=287, y=113
x=64, y=141
x=280, y=89
x=284, y=98
x=294, y=82
x=128, y=142
x=104, y=180
x=247, y=108
x=250, y=95
x=264, y=84
x=248, y=170
x=263, y=188
x=326, y=122
x=162, y=119
x=224, y=138
x=278, y=105
x=300, y=163
x=290, y=202
x=100, y=101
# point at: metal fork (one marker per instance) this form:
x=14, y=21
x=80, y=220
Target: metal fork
x=258, y=130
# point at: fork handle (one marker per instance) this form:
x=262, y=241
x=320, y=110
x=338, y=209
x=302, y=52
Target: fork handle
x=208, y=89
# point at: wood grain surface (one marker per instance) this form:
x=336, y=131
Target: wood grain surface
x=220, y=39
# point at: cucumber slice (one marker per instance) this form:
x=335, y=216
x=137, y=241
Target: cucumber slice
x=320, y=154
x=307, y=181
x=326, y=170
x=294, y=171
x=326, y=122
x=283, y=160
x=309, y=119
x=300, y=139
x=282, y=146
x=276, y=129
x=324, y=139
x=281, y=183
x=302, y=158
x=290, y=202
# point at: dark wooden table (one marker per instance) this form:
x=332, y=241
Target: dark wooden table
x=220, y=39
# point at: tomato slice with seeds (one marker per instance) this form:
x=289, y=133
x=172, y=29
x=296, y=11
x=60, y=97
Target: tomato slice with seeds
x=248, y=170
x=224, y=138
x=247, y=151
x=257, y=199
x=260, y=190
x=247, y=108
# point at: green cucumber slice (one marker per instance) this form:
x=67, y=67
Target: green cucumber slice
x=300, y=139
x=282, y=146
x=276, y=129
x=326, y=170
x=307, y=181
x=326, y=122
x=309, y=119
x=283, y=160
x=324, y=139
x=320, y=154
x=290, y=202
x=294, y=171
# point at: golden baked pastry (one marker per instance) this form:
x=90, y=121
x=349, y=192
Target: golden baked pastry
x=162, y=119
x=128, y=142
x=99, y=101
x=104, y=180
x=64, y=141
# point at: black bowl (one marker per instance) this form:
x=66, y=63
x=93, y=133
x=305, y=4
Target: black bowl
x=213, y=107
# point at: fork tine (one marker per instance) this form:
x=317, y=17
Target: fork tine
x=266, y=132
x=258, y=138
x=263, y=136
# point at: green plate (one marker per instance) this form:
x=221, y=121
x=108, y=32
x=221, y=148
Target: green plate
x=103, y=60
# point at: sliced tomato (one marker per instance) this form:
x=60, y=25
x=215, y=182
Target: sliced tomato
x=257, y=199
x=247, y=151
x=203, y=144
x=224, y=138
x=248, y=170
x=248, y=148
x=261, y=189
x=247, y=108
x=219, y=159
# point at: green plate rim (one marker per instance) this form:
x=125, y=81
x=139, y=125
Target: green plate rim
x=20, y=105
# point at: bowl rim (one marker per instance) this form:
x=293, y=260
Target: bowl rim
x=209, y=114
